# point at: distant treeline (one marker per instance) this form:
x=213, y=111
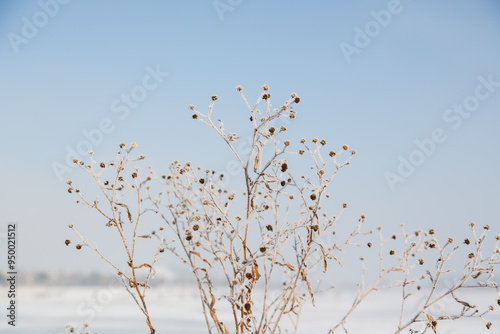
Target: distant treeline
x=53, y=278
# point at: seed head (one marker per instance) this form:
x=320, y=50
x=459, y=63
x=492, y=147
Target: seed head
x=332, y=154
x=392, y=252
x=284, y=167
x=467, y=241
x=78, y=246
x=431, y=231
x=345, y=147
x=102, y=165
x=214, y=97
x=265, y=87
x=296, y=100
x=239, y=88
x=67, y=242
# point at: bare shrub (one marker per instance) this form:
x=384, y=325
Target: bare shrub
x=266, y=240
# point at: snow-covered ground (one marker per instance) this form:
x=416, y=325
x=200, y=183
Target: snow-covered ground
x=109, y=310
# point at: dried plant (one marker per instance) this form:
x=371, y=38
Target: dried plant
x=267, y=240
x=76, y=330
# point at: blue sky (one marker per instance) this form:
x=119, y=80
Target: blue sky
x=427, y=57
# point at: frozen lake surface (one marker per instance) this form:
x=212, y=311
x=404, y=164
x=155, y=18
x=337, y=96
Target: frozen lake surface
x=109, y=310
